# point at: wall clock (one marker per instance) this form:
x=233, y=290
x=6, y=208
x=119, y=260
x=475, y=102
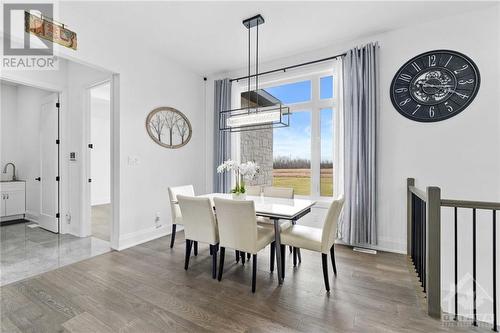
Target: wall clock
x=168, y=127
x=435, y=85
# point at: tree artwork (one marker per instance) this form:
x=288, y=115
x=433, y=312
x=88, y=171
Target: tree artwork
x=168, y=127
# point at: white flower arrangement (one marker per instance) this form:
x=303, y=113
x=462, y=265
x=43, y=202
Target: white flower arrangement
x=243, y=171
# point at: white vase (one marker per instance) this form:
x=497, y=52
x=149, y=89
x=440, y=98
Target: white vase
x=239, y=196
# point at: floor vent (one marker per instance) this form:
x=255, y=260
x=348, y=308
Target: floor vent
x=33, y=225
x=360, y=249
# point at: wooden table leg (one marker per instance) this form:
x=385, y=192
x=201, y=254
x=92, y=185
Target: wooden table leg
x=277, y=240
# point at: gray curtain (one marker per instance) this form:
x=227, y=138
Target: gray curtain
x=360, y=70
x=222, y=144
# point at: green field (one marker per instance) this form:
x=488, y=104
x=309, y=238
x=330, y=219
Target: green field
x=300, y=180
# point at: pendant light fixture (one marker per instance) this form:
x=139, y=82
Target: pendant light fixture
x=260, y=109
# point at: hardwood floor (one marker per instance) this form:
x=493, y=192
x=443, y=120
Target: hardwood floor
x=146, y=289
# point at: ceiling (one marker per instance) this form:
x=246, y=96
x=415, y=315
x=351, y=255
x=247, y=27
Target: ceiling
x=208, y=37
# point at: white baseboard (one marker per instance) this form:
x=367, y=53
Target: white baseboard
x=100, y=201
x=32, y=216
x=373, y=247
x=143, y=236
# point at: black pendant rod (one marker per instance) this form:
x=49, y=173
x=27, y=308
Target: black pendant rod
x=284, y=69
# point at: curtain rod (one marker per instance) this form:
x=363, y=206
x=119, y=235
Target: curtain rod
x=284, y=69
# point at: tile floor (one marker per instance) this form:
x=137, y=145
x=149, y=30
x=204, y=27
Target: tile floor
x=101, y=221
x=26, y=251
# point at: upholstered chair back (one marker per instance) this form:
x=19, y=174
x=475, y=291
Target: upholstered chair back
x=330, y=226
x=237, y=224
x=278, y=192
x=254, y=190
x=198, y=219
x=173, y=192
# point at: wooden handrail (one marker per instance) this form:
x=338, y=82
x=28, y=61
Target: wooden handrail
x=419, y=193
x=470, y=204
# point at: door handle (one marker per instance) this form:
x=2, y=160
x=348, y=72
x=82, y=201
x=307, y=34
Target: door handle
x=38, y=178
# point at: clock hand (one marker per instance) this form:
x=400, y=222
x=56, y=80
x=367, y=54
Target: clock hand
x=437, y=85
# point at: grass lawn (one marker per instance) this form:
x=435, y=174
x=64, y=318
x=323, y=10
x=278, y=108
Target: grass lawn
x=302, y=184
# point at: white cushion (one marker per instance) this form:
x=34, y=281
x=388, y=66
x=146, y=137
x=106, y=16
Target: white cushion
x=302, y=237
x=264, y=237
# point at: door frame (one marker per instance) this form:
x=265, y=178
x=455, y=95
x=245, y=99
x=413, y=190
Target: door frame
x=61, y=93
x=86, y=157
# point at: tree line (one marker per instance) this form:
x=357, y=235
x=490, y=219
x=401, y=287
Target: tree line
x=283, y=162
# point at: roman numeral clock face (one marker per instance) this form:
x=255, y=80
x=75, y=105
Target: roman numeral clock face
x=435, y=86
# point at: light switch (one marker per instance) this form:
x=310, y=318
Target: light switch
x=133, y=160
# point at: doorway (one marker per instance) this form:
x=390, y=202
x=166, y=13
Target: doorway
x=100, y=160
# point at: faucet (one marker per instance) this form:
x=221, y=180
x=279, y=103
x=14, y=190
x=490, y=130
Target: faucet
x=13, y=170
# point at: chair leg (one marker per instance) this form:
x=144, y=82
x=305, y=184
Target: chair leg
x=294, y=257
x=299, y=255
x=221, y=261
x=324, y=258
x=237, y=255
x=213, y=249
x=254, y=272
x=188, y=253
x=242, y=257
x=332, y=255
x=283, y=260
x=172, y=235
x=291, y=249
x=273, y=253
x=195, y=248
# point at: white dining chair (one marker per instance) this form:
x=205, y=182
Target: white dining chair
x=238, y=230
x=173, y=192
x=279, y=192
x=254, y=190
x=315, y=239
x=200, y=225
x=283, y=193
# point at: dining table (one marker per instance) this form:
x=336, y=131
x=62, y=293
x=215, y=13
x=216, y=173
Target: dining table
x=275, y=209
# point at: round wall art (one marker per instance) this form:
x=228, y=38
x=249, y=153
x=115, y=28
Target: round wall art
x=168, y=127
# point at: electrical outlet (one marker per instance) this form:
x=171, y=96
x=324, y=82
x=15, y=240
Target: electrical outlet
x=68, y=218
x=157, y=220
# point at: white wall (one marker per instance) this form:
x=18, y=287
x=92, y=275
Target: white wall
x=29, y=101
x=8, y=116
x=100, y=154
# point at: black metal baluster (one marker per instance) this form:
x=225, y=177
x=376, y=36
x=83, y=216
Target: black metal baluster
x=417, y=221
x=424, y=241
x=474, y=287
x=456, y=264
x=494, y=270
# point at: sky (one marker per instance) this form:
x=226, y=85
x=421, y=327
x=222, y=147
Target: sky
x=295, y=141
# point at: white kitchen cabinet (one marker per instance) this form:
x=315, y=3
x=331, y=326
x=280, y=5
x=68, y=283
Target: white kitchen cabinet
x=13, y=195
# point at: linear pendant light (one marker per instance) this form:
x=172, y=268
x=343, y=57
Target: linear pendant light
x=261, y=110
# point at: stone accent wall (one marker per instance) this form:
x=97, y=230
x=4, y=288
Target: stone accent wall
x=257, y=146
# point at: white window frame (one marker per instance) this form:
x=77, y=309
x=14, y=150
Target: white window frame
x=314, y=106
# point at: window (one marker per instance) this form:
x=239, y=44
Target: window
x=292, y=154
x=303, y=154
x=326, y=161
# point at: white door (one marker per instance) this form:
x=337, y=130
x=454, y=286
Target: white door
x=48, y=164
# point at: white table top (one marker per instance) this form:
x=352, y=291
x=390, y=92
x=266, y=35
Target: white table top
x=287, y=209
